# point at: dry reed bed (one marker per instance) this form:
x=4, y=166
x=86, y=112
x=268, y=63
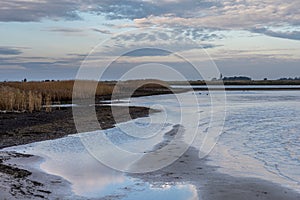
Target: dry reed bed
x=63, y=90
x=15, y=99
x=32, y=96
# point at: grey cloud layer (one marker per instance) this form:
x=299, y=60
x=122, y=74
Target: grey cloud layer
x=237, y=11
x=24, y=11
x=101, y=31
x=171, y=35
x=10, y=51
x=17, y=10
x=187, y=15
x=36, y=63
x=65, y=30
x=235, y=15
x=147, y=39
x=293, y=35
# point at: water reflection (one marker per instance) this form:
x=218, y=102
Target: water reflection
x=67, y=158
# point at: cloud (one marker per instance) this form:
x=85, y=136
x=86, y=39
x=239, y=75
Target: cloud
x=12, y=67
x=170, y=35
x=231, y=15
x=77, y=55
x=75, y=31
x=35, y=10
x=10, y=51
x=65, y=30
x=189, y=15
x=38, y=68
x=147, y=52
x=69, y=61
x=241, y=11
x=292, y=35
x=202, y=34
x=101, y=31
x=133, y=9
x=150, y=43
x=136, y=37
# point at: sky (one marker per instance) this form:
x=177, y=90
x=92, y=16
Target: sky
x=51, y=39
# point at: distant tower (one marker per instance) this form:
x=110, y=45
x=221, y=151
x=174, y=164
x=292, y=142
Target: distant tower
x=221, y=76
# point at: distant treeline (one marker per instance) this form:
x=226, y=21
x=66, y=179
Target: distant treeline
x=241, y=82
x=289, y=79
x=237, y=78
x=245, y=78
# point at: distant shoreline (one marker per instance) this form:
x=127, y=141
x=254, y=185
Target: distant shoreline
x=245, y=89
x=236, y=87
x=238, y=82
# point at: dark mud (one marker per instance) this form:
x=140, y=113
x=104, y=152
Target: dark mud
x=24, y=128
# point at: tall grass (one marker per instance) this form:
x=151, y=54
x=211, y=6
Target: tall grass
x=34, y=96
x=85, y=89
x=149, y=84
x=61, y=90
x=15, y=99
x=31, y=96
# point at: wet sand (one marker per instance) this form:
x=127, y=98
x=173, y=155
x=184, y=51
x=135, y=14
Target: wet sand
x=31, y=183
x=213, y=185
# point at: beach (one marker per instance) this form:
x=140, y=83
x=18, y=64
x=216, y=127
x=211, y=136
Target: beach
x=64, y=168
x=208, y=182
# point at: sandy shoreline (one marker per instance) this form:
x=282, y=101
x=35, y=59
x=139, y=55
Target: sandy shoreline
x=210, y=184
x=213, y=185
x=21, y=177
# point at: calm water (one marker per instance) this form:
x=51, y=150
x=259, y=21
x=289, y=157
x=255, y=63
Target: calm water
x=262, y=134
x=260, y=138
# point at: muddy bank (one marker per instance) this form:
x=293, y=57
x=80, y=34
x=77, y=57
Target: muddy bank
x=24, y=128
